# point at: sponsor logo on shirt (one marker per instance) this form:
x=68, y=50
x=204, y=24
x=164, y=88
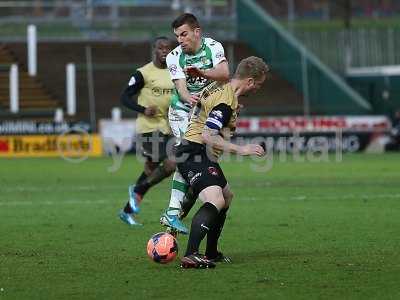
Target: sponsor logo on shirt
x=195, y=178
x=156, y=91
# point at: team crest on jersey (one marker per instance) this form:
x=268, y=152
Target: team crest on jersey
x=205, y=60
x=213, y=171
x=173, y=69
x=132, y=81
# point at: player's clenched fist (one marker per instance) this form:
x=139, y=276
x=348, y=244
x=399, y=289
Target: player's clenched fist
x=193, y=99
x=193, y=72
x=251, y=149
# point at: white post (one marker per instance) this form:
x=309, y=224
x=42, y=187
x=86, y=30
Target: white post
x=58, y=115
x=71, y=89
x=32, y=53
x=116, y=114
x=14, y=89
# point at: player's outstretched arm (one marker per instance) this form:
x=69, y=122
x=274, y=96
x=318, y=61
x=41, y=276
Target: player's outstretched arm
x=219, y=73
x=212, y=139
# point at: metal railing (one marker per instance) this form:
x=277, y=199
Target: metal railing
x=112, y=20
x=105, y=10
x=367, y=47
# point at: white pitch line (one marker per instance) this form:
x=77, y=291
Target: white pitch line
x=349, y=196
x=11, y=189
x=322, y=197
x=60, y=188
x=297, y=198
x=69, y=202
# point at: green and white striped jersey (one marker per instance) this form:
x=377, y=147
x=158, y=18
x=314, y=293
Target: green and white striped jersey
x=210, y=54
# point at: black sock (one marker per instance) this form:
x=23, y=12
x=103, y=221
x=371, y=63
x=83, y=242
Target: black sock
x=214, y=234
x=155, y=177
x=202, y=221
x=128, y=208
x=188, y=201
x=141, y=178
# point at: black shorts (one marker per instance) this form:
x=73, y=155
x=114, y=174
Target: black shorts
x=197, y=168
x=154, y=145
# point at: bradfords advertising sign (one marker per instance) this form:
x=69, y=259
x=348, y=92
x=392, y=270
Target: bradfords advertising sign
x=66, y=146
x=332, y=133
x=48, y=139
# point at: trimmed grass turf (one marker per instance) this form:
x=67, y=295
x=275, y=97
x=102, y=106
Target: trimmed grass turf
x=324, y=230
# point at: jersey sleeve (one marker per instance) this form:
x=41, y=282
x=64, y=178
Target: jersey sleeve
x=136, y=83
x=219, y=116
x=217, y=52
x=174, y=68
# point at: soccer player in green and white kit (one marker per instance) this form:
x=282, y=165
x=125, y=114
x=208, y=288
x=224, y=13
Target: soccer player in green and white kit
x=193, y=65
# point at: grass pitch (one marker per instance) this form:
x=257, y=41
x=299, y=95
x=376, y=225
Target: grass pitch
x=326, y=230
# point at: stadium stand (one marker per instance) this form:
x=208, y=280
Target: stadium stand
x=113, y=64
x=35, y=99
x=119, y=47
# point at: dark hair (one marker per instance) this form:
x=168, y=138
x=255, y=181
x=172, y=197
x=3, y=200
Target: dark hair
x=186, y=18
x=160, y=38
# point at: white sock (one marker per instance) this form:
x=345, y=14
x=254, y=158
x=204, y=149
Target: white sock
x=178, y=191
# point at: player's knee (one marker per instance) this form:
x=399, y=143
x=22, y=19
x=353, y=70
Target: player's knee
x=228, y=196
x=213, y=195
x=218, y=201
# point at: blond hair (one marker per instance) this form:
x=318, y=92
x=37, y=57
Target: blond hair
x=253, y=67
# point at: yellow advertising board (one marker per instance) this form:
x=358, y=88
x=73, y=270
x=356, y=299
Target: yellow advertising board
x=64, y=145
